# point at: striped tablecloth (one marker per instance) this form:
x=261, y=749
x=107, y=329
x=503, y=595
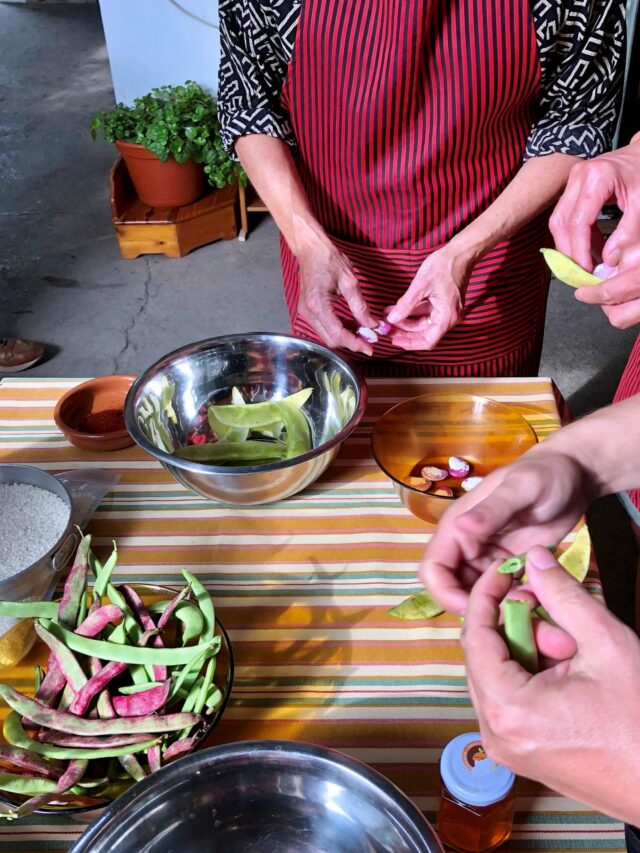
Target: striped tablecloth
x=303, y=586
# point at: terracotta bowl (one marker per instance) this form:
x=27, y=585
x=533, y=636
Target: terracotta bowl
x=428, y=430
x=96, y=395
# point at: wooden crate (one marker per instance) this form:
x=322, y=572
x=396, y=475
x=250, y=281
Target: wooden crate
x=171, y=231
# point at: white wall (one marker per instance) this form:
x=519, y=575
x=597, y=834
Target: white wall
x=153, y=43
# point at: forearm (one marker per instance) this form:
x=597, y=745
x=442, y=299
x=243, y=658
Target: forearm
x=536, y=187
x=606, y=444
x=272, y=171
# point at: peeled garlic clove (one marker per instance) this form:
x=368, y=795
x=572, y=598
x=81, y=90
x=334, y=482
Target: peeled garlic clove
x=458, y=467
x=384, y=327
x=471, y=483
x=431, y=472
x=443, y=491
x=604, y=271
x=368, y=335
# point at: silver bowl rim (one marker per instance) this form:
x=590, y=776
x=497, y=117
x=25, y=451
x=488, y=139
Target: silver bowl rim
x=65, y=533
x=178, y=771
x=200, y=468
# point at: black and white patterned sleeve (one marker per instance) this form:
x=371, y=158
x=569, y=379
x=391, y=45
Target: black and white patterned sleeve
x=582, y=55
x=252, y=71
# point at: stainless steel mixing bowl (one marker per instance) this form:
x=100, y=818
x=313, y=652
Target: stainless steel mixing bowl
x=262, y=797
x=264, y=367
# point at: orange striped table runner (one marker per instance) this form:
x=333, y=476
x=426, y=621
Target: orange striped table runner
x=303, y=587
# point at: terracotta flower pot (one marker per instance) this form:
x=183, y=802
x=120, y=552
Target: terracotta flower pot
x=159, y=184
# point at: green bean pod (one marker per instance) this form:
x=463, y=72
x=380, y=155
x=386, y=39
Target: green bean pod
x=106, y=650
x=16, y=736
x=80, y=726
x=518, y=629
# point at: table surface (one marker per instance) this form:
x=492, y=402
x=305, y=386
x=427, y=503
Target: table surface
x=303, y=587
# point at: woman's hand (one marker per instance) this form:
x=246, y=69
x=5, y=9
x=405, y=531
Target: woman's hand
x=324, y=273
x=535, y=501
x=433, y=304
x=573, y=726
x=619, y=295
x=611, y=177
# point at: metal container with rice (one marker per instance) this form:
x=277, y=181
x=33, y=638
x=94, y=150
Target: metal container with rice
x=35, y=543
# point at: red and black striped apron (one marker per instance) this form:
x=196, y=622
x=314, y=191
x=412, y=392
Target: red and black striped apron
x=411, y=117
x=628, y=387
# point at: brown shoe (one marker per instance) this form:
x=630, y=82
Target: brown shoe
x=17, y=355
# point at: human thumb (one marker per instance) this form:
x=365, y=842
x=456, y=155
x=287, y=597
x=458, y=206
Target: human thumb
x=565, y=599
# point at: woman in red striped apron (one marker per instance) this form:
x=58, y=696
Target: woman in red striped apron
x=612, y=177
x=387, y=138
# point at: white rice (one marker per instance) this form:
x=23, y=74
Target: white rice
x=31, y=522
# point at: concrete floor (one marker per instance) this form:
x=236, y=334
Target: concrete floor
x=62, y=280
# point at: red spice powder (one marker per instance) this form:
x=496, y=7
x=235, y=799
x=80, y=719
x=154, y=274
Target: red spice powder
x=108, y=420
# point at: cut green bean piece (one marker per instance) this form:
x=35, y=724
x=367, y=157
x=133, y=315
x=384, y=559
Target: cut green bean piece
x=16, y=735
x=106, y=650
x=517, y=562
x=259, y=415
x=518, y=629
x=421, y=605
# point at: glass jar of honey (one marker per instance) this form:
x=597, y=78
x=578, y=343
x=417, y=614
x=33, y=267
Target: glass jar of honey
x=478, y=802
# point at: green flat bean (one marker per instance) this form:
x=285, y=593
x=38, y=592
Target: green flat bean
x=106, y=650
x=73, y=725
x=129, y=689
x=298, y=429
x=38, y=675
x=188, y=613
x=29, y=785
x=72, y=670
x=240, y=452
x=214, y=698
x=133, y=767
x=192, y=667
x=223, y=431
x=204, y=603
x=29, y=609
x=259, y=415
x=103, y=577
x=518, y=629
x=16, y=736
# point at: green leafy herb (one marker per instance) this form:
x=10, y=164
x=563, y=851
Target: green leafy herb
x=178, y=121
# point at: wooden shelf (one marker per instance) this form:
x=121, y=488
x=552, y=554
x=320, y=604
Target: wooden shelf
x=250, y=202
x=171, y=231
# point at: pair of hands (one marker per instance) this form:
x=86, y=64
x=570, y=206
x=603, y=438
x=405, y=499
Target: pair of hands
x=613, y=177
x=431, y=306
x=573, y=726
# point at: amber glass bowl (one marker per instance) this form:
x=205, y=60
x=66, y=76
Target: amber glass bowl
x=95, y=395
x=429, y=429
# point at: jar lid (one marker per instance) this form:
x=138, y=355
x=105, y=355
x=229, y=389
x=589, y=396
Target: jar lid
x=470, y=775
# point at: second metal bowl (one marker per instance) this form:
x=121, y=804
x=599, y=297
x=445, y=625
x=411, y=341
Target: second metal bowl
x=262, y=797
x=263, y=367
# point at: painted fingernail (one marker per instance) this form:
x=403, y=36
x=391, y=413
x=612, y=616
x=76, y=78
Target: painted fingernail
x=541, y=558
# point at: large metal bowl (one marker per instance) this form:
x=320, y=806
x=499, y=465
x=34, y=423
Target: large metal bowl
x=263, y=367
x=262, y=797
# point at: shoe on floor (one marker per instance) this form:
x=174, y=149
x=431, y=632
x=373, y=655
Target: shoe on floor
x=17, y=355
